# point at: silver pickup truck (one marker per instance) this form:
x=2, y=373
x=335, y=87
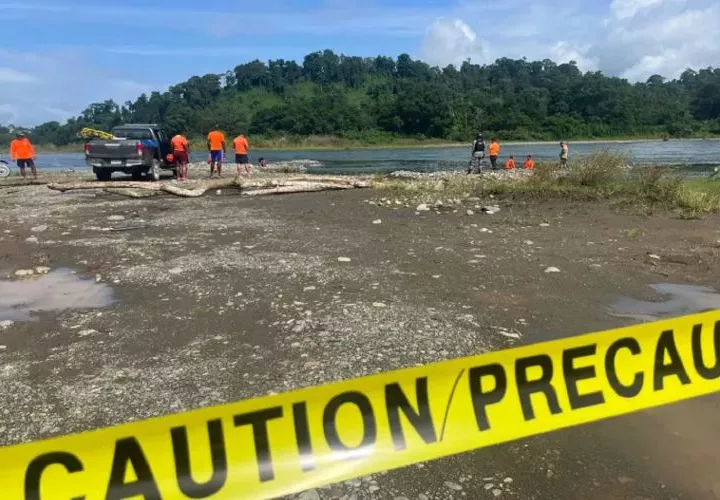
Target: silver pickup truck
x=136, y=149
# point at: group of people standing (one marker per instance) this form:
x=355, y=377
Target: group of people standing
x=479, y=150
x=217, y=149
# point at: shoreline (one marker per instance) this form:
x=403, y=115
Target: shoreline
x=419, y=145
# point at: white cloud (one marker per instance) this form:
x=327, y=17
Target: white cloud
x=73, y=82
x=11, y=75
x=564, y=52
x=451, y=41
x=663, y=37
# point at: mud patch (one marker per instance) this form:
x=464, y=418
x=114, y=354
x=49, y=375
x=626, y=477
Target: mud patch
x=59, y=290
x=683, y=299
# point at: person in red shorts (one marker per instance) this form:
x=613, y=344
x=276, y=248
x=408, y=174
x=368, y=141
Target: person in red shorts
x=181, y=155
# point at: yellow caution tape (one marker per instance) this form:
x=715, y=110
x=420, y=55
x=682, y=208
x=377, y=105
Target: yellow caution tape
x=280, y=444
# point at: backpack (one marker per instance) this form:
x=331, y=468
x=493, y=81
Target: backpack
x=478, y=146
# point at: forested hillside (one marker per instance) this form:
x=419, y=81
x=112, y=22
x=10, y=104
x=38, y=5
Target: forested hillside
x=355, y=97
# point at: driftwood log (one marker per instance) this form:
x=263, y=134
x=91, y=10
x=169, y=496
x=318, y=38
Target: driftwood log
x=301, y=184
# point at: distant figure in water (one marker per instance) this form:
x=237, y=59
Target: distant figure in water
x=262, y=162
x=529, y=163
x=510, y=164
x=478, y=154
x=564, y=153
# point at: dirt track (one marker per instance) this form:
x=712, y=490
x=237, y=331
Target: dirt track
x=222, y=298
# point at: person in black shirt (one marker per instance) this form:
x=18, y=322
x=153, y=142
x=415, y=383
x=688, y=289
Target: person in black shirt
x=478, y=154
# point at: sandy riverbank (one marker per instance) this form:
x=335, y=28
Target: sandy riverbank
x=221, y=298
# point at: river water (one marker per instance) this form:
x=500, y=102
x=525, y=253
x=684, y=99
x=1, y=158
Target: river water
x=692, y=157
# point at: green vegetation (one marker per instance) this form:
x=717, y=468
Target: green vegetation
x=601, y=176
x=334, y=100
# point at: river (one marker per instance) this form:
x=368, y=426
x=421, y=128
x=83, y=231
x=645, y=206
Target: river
x=692, y=157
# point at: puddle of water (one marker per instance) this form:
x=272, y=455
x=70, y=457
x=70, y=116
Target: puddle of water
x=58, y=290
x=682, y=300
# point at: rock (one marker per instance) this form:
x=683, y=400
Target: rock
x=378, y=221
x=469, y=213
x=309, y=495
x=218, y=192
x=529, y=243
x=508, y=480
x=379, y=304
x=39, y=229
x=624, y=480
x=355, y=483
x=116, y=217
x=550, y=270
x=42, y=270
x=176, y=270
x=544, y=224
x=491, y=210
x=344, y=259
x=308, y=289
x=453, y=486
x=654, y=257
x=550, y=474
x=24, y=272
x=6, y=324
x=496, y=493
x=31, y=239
x=87, y=333
x=421, y=496
x=373, y=488
x=422, y=208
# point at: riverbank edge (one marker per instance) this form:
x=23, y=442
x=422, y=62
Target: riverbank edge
x=198, y=145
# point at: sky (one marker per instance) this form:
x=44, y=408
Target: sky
x=57, y=56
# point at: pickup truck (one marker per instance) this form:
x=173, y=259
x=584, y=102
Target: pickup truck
x=135, y=149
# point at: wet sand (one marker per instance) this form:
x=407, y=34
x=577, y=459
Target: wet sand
x=222, y=298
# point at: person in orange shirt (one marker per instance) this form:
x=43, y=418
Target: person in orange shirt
x=529, y=163
x=494, y=151
x=181, y=156
x=510, y=164
x=23, y=153
x=216, y=146
x=240, y=144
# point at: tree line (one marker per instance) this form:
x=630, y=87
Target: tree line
x=356, y=97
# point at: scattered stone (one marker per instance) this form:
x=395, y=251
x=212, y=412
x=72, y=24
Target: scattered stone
x=309, y=495
x=379, y=304
x=544, y=224
x=42, y=270
x=308, y=289
x=436, y=277
x=31, y=239
x=654, y=257
x=508, y=480
x=469, y=213
x=550, y=270
x=24, y=272
x=377, y=221
x=624, y=480
x=3, y=347
x=373, y=488
x=529, y=243
x=39, y=229
x=116, y=217
x=87, y=333
x=6, y=324
x=422, y=208
x=218, y=192
x=344, y=259
x=176, y=270
x=490, y=210
x=496, y=493
x=422, y=496
x=355, y=483
x=453, y=486
x=550, y=474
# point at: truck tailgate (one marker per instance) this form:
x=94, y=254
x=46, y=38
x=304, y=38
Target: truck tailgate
x=112, y=150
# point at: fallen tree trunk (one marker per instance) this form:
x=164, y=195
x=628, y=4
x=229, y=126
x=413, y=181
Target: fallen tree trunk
x=297, y=188
x=135, y=189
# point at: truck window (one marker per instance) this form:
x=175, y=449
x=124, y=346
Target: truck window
x=132, y=133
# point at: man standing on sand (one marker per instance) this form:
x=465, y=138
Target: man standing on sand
x=216, y=146
x=477, y=155
x=494, y=153
x=564, y=153
x=181, y=154
x=240, y=144
x=23, y=153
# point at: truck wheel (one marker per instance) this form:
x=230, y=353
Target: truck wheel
x=103, y=175
x=154, y=171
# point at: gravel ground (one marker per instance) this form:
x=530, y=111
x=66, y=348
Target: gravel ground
x=222, y=298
